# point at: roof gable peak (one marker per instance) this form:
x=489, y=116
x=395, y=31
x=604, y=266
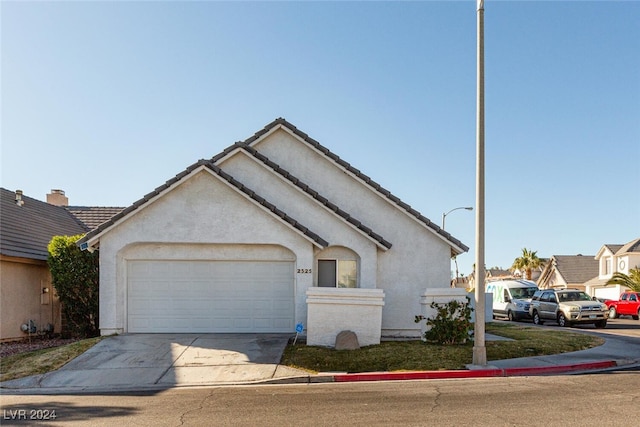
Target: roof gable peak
x=281, y=123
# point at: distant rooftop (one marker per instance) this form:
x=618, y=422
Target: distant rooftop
x=27, y=225
x=93, y=216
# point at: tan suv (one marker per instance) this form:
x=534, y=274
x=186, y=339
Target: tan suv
x=567, y=306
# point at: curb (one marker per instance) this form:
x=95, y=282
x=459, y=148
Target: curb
x=476, y=373
x=28, y=387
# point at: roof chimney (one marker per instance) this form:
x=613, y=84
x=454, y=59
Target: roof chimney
x=57, y=198
x=19, y=200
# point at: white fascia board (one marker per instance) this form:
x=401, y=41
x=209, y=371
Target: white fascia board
x=246, y=196
x=227, y=156
x=94, y=242
x=602, y=251
x=340, y=218
x=455, y=248
x=271, y=131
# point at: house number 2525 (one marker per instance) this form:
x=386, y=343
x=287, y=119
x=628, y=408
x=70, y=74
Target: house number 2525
x=304, y=270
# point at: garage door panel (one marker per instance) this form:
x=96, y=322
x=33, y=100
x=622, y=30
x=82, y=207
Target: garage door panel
x=210, y=296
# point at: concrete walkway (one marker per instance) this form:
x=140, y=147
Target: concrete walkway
x=160, y=361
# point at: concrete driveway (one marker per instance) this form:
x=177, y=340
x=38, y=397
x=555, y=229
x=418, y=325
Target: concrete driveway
x=142, y=361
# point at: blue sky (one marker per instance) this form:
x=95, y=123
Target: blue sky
x=108, y=100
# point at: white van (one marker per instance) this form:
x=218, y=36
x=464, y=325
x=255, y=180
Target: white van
x=511, y=298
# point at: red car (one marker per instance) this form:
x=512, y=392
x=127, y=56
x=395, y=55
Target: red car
x=628, y=304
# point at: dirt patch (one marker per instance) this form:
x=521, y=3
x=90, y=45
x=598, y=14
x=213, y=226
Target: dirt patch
x=35, y=343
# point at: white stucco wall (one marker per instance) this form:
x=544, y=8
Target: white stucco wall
x=307, y=211
x=201, y=211
x=333, y=310
x=418, y=259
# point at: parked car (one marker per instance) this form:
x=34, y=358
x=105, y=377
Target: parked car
x=567, y=307
x=511, y=298
x=628, y=304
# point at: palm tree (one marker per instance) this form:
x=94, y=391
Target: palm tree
x=527, y=262
x=632, y=281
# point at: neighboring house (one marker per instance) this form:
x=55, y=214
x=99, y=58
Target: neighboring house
x=26, y=227
x=93, y=216
x=498, y=274
x=89, y=216
x=490, y=274
x=249, y=240
x=613, y=259
x=568, y=271
x=460, y=282
x=535, y=273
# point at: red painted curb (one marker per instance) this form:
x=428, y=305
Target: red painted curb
x=542, y=370
x=480, y=373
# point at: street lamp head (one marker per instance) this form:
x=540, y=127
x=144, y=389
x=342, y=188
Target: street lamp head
x=444, y=215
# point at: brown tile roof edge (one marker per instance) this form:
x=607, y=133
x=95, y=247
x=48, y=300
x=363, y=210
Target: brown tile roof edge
x=215, y=169
x=575, y=268
x=271, y=207
x=316, y=195
x=241, y=144
x=371, y=183
x=613, y=248
x=93, y=216
x=27, y=229
x=631, y=247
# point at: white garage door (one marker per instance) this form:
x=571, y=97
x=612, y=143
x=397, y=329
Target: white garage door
x=210, y=296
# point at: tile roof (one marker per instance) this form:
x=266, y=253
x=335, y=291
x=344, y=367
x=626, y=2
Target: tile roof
x=498, y=272
x=228, y=178
x=366, y=179
x=246, y=145
x=631, y=247
x=576, y=268
x=317, y=196
x=25, y=231
x=613, y=248
x=93, y=216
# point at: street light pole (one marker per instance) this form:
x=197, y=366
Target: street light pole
x=479, y=349
x=444, y=215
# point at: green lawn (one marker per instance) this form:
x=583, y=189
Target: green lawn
x=417, y=355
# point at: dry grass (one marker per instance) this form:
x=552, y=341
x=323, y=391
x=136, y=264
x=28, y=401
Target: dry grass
x=416, y=355
x=42, y=361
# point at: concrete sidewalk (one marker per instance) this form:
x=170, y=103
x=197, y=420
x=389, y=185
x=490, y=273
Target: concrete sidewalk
x=141, y=362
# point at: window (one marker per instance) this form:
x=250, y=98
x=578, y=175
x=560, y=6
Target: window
x=607, y=266
x=337, y=273
x=548, y=297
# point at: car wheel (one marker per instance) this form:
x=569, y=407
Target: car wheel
x=637, y=316
x=536, y=318
x=562, y=320
x=601, y=324
x=612, y=313
x=511, y=317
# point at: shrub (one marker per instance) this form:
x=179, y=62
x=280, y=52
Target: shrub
x=452, y=323
x=75, y=277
